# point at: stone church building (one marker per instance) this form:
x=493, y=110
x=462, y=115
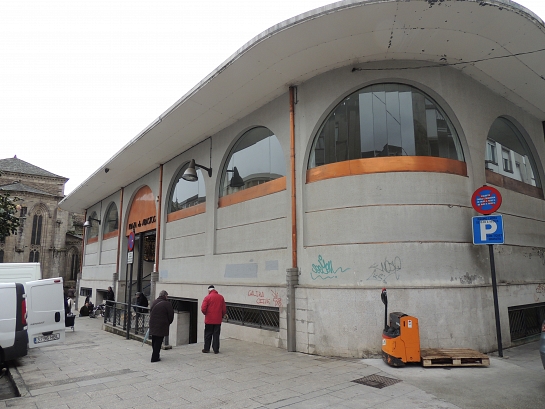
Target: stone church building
x=47, y=234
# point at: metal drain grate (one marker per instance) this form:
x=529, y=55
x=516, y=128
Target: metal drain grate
x=377, y=381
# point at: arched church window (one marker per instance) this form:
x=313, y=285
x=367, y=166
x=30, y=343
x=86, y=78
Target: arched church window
x=74, y=264
x=36, y=235
x=34, y=256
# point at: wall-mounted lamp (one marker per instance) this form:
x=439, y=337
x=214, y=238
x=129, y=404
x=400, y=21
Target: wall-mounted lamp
x=236, y=180
x=191, y=175
x=88, y=223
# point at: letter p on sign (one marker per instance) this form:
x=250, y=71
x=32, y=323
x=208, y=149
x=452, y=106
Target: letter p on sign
x=487, y=227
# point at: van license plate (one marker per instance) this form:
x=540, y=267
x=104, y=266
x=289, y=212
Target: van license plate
x=47, y=338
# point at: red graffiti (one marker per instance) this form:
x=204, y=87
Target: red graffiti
x=256, y=293
x=276, y=298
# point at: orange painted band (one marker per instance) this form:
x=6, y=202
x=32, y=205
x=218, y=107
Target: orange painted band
x=111, y=234
x=387, y=164
x=188, y=212
x=263, y=189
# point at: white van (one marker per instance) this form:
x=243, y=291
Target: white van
x=19, y=272
x=31, y=315
x=13, y=326
x=45, y=307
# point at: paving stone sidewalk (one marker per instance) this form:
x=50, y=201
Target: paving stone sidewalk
x=96, y=369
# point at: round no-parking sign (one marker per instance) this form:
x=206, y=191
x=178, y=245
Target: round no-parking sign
x=486, y=200
x=131, y=241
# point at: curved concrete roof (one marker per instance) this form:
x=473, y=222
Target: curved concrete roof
x=497, y=42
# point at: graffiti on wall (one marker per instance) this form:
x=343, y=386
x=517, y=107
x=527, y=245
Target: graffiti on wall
x=325, y=270
x=261, y=298
x=276, y=299
x=385, y=270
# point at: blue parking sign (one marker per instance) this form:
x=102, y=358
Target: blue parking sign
x=488, y=229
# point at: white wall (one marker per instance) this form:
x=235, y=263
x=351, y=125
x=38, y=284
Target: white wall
x=410, y=231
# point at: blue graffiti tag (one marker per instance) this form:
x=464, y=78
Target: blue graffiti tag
x=325, y=270
x=383, y=271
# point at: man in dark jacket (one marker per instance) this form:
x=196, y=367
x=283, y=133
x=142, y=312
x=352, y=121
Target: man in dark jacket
x=110, y=298
x=141, y=301
x=214, y=309
x=160, y=317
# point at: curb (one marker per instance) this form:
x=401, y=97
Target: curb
x=18, y=383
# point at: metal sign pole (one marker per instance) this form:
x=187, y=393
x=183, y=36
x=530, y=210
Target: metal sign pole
x=495, y=293
x=129, y=287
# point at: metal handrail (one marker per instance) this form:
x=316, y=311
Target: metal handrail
x=117, y=312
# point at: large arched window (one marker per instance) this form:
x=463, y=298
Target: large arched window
x=73, y=264
x=111, y=221
x=185, y=194
x=385, y=120
x=36, y=236
x=256, y=158
x=92, y=232
x=508, y=155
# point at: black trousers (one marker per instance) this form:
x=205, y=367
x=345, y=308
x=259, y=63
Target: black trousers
x=212, y=334
x=156, y=342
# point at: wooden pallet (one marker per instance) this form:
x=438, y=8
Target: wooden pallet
x=453, y=357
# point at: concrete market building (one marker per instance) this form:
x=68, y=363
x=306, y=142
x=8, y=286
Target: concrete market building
x=336, y=154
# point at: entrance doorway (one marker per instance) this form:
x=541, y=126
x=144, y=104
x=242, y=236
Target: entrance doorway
x=143, y=261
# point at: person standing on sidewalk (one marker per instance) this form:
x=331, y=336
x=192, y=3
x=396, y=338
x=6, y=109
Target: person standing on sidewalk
x=141, y=301
x=160, y=317
x=110, y=298
x=214, y=309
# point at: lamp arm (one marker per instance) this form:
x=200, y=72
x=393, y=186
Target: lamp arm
x=96, y=220
x=209, y=170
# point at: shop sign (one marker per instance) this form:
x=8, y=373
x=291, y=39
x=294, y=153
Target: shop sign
x=142, y=223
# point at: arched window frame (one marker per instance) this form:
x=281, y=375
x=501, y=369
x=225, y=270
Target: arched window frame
x=401, y=159
x=189, y=208
x=111, y=223
x=501, y=166
x=265, y=182
x=34, y=256
x=37, y=223
x=73, y=264
x=92, y=232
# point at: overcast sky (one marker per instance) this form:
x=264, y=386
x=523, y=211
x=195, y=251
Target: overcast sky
x=79, y=79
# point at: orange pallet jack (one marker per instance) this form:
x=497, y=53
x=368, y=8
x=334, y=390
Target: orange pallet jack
x=400, y=339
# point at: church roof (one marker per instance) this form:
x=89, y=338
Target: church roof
x=22, y=188
x=17, y=165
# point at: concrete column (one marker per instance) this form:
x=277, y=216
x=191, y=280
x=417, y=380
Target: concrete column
x=78, y=279
x=292, y=279
x=115, y=279
x=153, y=280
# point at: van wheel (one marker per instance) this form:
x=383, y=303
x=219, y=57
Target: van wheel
x=2, y=362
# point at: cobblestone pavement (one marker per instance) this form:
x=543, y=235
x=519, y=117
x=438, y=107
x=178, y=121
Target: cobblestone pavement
x=96, y=369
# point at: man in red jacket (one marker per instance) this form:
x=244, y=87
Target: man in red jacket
x=214, y=310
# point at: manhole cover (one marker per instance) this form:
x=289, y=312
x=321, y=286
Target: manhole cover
x=377, y=381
